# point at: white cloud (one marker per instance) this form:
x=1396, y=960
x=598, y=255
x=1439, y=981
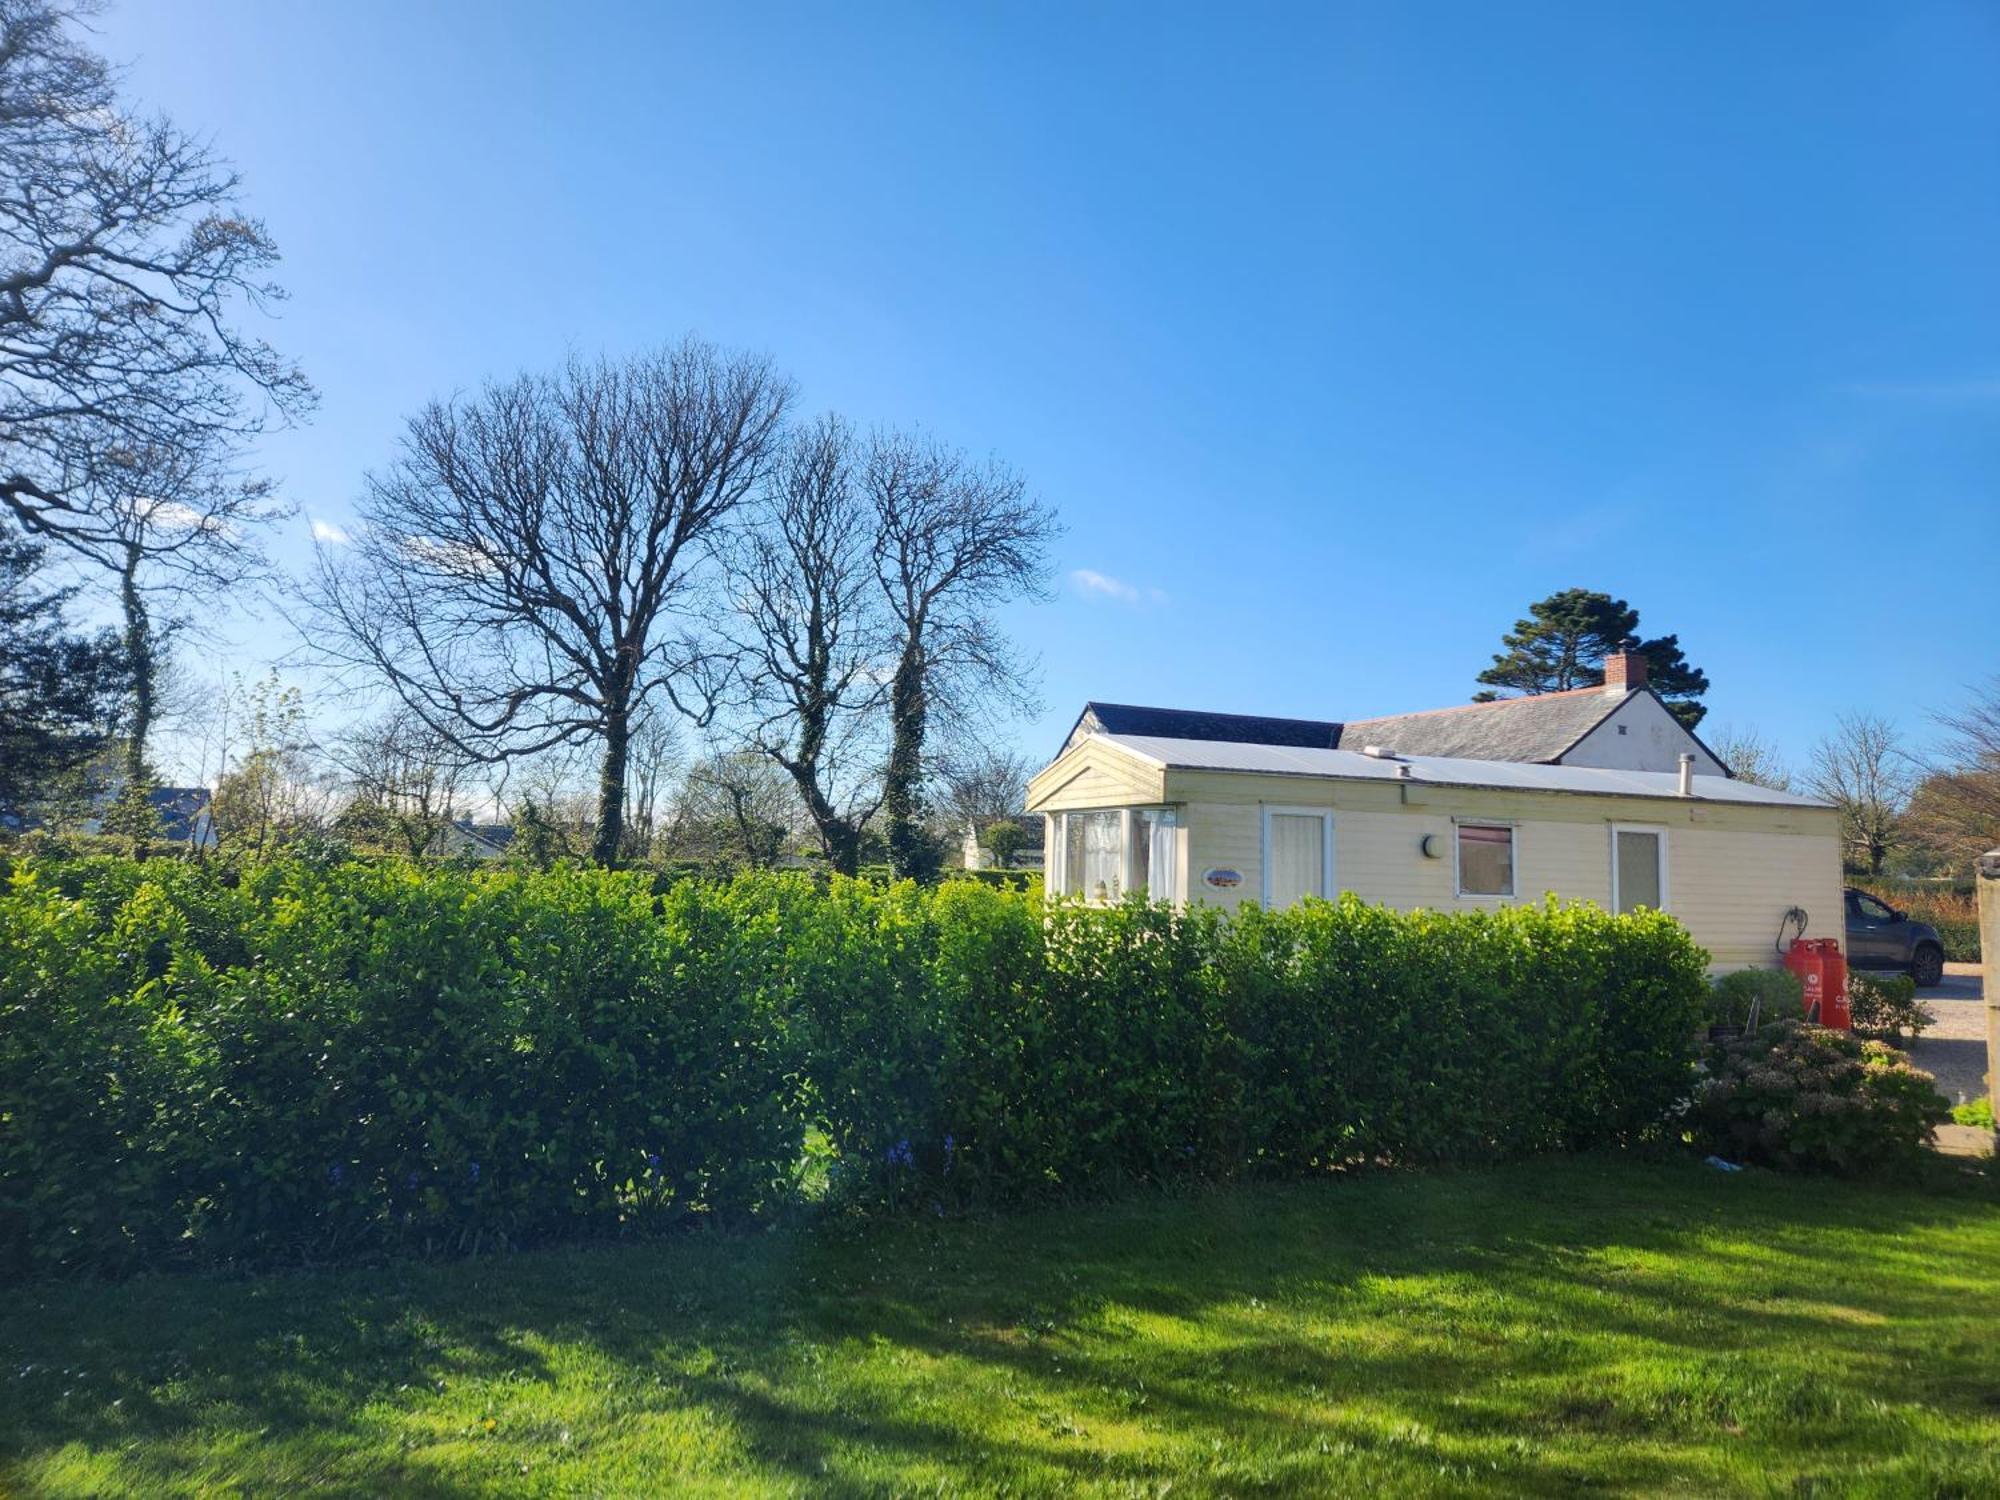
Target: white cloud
x=326, y=531
x=1934, y=390
x=1104, y=586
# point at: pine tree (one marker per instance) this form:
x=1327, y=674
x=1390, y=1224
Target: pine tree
x=1562, y=645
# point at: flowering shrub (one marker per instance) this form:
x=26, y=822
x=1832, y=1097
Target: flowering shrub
x=330, y=1059
x=1801, y=1097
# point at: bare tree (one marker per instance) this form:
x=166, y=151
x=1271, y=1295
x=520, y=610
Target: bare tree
x=122, y=261
x=534, y=568
x=656, y=756
x=813, y=635
x=550, y=806
x=269, y=791
x=954, y=540
x=1864, y=769
x=413, y=777
x=737, y=804
x=1750, y=757
x=182, y=538
x=1955, y=810
x=984, y=782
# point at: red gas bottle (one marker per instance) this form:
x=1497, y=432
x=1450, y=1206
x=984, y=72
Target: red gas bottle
x=1823, y=972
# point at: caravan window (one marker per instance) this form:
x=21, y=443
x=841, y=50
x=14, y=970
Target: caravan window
x=1485, y=859
x=1298, y=854
x=1638, y=867
x=1107, y=853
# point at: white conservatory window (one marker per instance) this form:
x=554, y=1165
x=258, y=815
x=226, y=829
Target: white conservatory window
x=1105, y=853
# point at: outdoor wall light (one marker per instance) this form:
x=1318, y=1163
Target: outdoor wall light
x=1431, y=846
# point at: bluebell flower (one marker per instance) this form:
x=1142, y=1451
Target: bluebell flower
x=410, y=1181
x=336, y=1174
x=900, y=1155
x=475, y=1171
x=652, y=1161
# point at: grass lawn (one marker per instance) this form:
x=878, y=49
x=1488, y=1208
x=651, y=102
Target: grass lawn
x=1564, y=1326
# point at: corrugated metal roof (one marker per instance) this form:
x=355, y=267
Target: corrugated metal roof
x=1537, y=728
x=1438, y=770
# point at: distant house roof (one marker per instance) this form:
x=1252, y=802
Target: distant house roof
x=1353, y=765
x=1535, y=729
x=1190, y=724
x=182, y=810
x=463, y=836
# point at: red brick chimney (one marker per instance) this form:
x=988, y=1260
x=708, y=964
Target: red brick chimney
x=1624, y=672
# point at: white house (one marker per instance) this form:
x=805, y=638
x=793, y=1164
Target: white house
x=1597, y=795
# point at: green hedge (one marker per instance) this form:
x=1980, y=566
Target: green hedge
x=331, y=1061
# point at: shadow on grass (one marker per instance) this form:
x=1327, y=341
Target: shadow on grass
x=1552, y=1325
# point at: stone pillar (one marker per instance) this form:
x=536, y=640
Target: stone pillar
x=1988, y=881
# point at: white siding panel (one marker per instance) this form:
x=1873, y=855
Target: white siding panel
x=1732, y=873
x=1731, y=889
x=1653, y=740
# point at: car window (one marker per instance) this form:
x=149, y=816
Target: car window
x=1869, y=909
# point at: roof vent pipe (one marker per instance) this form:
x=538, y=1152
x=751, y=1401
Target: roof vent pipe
x=1404, y=770
x=1687, y=774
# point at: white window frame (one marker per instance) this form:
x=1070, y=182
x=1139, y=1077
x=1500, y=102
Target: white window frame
x=1513, y=860
x=1660, y=829
x=1128, y=860
x=1325, y=814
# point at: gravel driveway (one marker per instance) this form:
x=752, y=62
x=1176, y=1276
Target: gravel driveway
x=1954, y=1050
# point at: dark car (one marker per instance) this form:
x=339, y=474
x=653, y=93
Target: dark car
x=1880, y=937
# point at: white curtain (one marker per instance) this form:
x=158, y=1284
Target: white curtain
x=1298, y=857
x=1162, y=862
x=1094, y=855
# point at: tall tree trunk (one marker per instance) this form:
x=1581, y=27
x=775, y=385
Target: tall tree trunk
x=143, y=663
x=839, y=838
x=911, y=852
x=611, y=787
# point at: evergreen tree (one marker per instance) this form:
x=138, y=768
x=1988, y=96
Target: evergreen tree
x=1562, y=645
x=59, y=690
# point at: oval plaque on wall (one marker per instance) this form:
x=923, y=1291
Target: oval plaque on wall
x=1222, y=879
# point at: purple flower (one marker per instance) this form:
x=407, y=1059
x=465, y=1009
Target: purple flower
x=652, y=1161
x=900, y=1155
x=475, y=1171
x=336, y=1174
x=410, y=1181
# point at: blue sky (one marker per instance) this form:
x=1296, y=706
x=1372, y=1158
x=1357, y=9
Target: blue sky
x=1336, y=334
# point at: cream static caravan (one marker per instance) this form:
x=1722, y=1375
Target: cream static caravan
x=1226, y=809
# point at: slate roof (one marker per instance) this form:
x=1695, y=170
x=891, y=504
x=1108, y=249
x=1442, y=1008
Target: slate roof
x=182, y=811
x=1190, y=724
x=1536, y=729
x=1433, y=770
